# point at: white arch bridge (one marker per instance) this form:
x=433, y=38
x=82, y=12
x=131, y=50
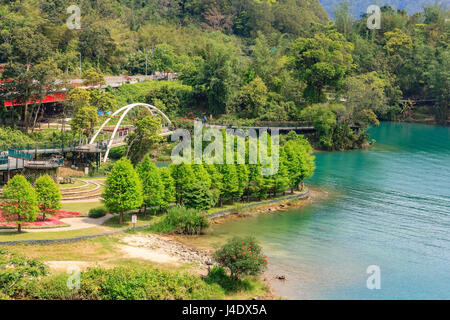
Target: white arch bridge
x=113, y=141
x=20, y=157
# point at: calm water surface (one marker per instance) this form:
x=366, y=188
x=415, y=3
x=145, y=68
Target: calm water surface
x=390, y=207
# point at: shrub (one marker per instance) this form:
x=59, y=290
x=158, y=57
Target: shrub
x=97, y=212
x=15, y=270
x=123, y=283
x=241, y=256
x=182, y=220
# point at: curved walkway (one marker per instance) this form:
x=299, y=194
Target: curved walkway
x=76, y=224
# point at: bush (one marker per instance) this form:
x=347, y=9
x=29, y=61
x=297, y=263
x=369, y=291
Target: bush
x=15, y=270
x=241, y=256
x=181, y=220
x=124, y=283
x=97, y=212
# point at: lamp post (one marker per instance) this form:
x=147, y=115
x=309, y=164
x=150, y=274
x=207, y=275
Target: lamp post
x=80, y=65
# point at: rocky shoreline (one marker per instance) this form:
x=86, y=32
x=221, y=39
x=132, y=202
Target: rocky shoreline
x=282, y=205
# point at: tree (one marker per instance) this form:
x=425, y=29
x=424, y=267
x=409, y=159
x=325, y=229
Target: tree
x=201, y=174
x=242, y=176
x=21, y=201
x=44, y=75
x=146, y=135
x=183, y=176
x=18, y=86
x=48, y=195
x=123, y=189
x=84, y=120
x=280, y=180
x=241, y=256
x=214, y=75
x=198, y=195
x=321, y=61
x=229, y=180
x=169, y=186
x=343, y=18
x=366, y=92
x=438, y=85
x=93, y=77
x=324, y=120
x=297, y=157
x=102, y=100
x=153, y=188
x=216, y=179
x=163, y=58
x=79, y=98
x=251, y=101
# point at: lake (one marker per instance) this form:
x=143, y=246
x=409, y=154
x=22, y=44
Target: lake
x=389, y=206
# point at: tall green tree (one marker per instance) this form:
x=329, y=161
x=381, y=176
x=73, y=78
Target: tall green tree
x=48, y=195
x=230, y=182
x=183, y=175
x=145, y=136
x=153, y=188
x=21, y=201
x=123, y=189
x=169, y=186
x=322, y=61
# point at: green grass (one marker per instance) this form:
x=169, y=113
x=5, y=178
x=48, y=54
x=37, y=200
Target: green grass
x=141, y=221
x=82, y=207
x=14, y=236
x=77, y=183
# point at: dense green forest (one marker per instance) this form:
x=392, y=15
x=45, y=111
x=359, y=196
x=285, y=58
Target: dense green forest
x=264, y=60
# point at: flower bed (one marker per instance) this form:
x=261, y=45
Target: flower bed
x=50, y=222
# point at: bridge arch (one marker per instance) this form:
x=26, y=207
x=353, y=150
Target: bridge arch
x=124, y=111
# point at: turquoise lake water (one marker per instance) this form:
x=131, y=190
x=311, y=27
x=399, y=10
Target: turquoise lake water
x=388, y=206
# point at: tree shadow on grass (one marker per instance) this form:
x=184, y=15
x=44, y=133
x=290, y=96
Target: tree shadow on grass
x=219, y=276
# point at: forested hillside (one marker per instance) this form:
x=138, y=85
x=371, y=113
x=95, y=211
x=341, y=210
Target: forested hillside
x=239, y=60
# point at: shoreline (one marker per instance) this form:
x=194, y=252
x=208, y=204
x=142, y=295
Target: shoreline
x=271, y=208
x=315, y=194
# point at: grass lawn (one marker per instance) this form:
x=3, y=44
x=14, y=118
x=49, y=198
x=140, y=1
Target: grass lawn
x=141, y=221
x=14, y=236
x=77, y=183
x=82, y=207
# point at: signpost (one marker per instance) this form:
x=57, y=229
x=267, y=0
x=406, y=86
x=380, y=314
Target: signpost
x=134, y=221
